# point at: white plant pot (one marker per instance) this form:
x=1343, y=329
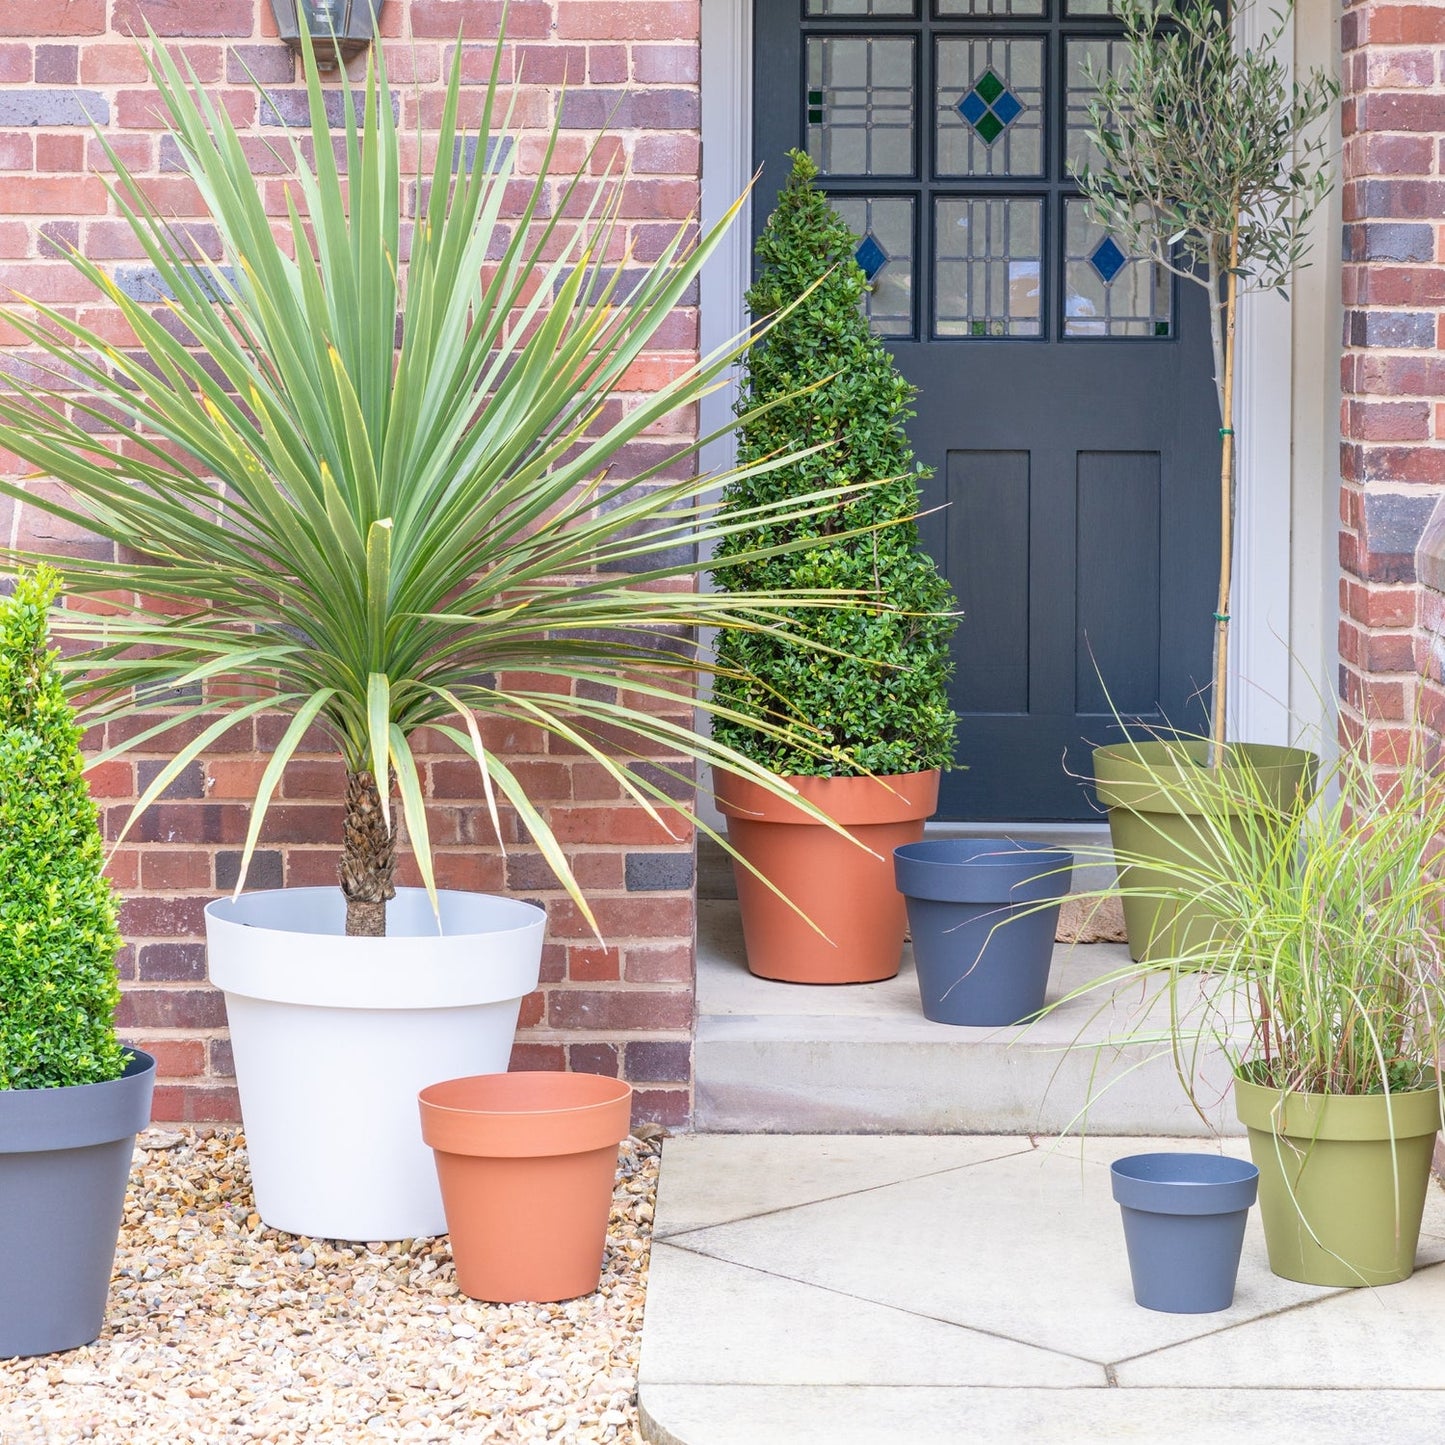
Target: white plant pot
x=334, y=1037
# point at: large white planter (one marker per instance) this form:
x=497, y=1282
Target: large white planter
x=334, y=1037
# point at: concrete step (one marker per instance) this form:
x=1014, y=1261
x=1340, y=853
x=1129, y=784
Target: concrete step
x=860, y=1059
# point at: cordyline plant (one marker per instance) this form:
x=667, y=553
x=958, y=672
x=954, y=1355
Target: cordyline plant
x=1211, y=163
x=58, y=934
x=371, y=537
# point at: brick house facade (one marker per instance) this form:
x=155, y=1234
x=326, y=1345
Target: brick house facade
x=628, y=1007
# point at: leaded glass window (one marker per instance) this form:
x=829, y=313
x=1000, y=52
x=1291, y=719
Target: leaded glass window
x=988, y=267
x=989, y=107
x=1106, y=291
x=1088, y=7
x=861, y=104
x=1093, y=57
x=948, y=9
x=884, y=227
x=842, y=9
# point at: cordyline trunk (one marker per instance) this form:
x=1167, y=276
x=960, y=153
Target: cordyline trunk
x=368, y=858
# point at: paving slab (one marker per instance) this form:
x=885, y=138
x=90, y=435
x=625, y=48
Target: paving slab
x=716, y=1179
x=878, y=1289
x=869, y=1415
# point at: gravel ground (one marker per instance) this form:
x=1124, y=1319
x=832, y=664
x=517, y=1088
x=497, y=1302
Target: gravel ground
x=221, y=1329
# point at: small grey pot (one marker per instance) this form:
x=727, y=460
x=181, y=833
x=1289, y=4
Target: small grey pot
x=64, y=1164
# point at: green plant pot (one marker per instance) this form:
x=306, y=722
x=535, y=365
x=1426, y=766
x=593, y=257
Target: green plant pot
x=1342, y=1180
x=1156, y=810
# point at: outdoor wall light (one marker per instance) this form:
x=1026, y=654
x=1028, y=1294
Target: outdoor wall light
x=352, y=22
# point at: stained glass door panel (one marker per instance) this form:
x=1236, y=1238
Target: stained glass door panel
x=1065, y=405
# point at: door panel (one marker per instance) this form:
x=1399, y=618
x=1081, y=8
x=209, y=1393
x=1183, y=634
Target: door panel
x=1064, y=396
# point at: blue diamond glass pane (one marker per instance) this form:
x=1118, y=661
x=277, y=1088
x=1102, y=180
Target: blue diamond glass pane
x=1008, y=108
x=871, y=256
x=971, y=107
x=1107, y=259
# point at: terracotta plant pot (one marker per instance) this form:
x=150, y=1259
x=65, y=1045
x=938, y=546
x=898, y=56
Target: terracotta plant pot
x=847, y=891
x=527, y=1163
x=1154, y=814
x=1342, y=1180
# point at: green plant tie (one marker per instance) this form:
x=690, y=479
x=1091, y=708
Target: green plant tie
x=1226, y=431
x=1221, y=617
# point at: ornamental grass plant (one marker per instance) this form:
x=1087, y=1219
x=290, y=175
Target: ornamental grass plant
x=1312, y=951
x=58, y=934
x=866, y=688
x=374, y=478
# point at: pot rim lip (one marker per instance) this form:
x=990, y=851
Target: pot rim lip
x=1007, y=853
x=623, y=1092
x=1379, y=1096
x=61, y=1091
x=1247, y=1170
x=217, y=912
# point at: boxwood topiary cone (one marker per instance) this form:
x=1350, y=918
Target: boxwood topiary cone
x=58, y=934
x=881, y=703
x=876, y=702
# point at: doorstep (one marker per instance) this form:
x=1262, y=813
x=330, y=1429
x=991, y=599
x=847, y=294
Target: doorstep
x=938, y=1291
x=806, y=1059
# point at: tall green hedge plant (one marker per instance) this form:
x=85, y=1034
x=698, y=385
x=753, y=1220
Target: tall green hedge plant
x=58, y=935
x=867, y=682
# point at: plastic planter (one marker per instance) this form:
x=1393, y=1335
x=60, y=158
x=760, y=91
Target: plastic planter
x=64, y=1164
x=527, y=1163
x=1184, y=1218
x=333, y=1036
x=839, y=919
x=1155, y=792
x=1343, y=1180
x=983, y=914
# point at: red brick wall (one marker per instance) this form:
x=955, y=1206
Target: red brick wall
x=1393, y=422
x=624, y=1007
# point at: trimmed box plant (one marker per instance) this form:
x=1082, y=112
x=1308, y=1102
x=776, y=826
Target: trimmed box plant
x=372, y=537
x=71, y=1097
x=864, y=684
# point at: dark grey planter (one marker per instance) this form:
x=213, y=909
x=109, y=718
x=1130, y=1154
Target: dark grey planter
x=982, y=942
x=64, y=1164
x=1184, y=1217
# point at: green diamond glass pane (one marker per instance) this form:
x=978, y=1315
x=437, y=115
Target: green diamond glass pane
x=990, y=106
x=990, y=87
x=979, y=328
x=990, y=127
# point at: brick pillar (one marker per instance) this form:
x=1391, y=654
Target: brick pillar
x=623, y=1006
x=1392, y=461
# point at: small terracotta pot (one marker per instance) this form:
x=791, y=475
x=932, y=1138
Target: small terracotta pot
x=846, y=890
x=526, y=1163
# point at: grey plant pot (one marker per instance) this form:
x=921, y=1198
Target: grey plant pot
x=1184, y=1218
x=982, y=944
x=64, y=1164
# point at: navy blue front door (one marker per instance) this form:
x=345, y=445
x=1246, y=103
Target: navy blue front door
x=1064, y=396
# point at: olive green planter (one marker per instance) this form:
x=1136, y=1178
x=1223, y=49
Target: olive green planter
x=1342, y=1180
x=1155, y=813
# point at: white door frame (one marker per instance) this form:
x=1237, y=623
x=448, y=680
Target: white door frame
x=1260, y=665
